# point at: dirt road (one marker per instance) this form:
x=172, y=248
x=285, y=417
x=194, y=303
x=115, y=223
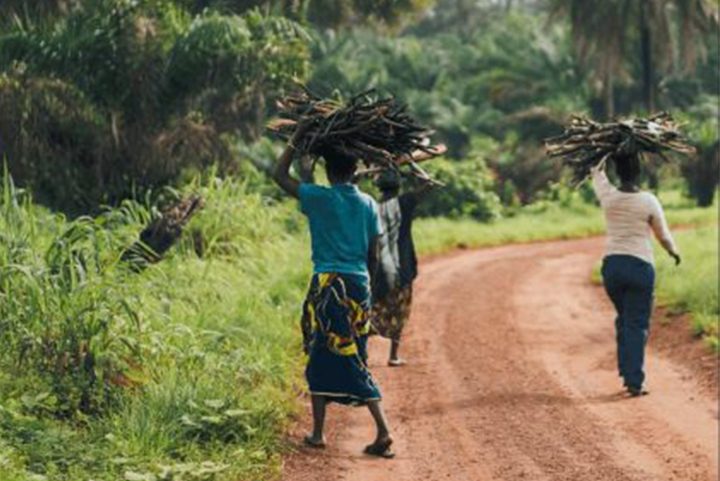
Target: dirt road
x=512, y=377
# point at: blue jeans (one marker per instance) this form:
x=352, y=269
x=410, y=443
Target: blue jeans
x=630, y=282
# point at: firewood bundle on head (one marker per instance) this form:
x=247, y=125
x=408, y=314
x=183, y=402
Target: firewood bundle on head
x=585, y=143
x=377, y=131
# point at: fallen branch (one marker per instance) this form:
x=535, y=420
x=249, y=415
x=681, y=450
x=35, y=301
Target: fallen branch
x=161, y=234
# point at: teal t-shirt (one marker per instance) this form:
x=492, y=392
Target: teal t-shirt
x=343, y=222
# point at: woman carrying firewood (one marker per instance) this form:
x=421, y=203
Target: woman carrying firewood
x=627, y=269
x=630, y=215
x=397, y=266
x=344, y=228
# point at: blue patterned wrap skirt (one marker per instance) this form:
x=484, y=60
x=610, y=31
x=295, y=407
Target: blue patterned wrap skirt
x=335, y=328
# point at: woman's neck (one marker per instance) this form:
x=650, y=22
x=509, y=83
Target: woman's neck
x=389, y=195
x=630, y=188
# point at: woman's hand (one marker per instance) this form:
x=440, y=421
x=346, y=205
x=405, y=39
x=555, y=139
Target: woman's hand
x=677, y=258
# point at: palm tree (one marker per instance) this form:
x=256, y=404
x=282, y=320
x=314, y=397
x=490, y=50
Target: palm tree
x=34, y=9
x=604, y=30
x=111, y=94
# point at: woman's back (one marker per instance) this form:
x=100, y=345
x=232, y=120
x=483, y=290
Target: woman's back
x=631, y=217
x=343, y=223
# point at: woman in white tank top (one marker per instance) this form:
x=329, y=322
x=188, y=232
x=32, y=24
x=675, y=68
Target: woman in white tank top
x=631, y=216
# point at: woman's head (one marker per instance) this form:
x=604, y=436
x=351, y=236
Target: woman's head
x=339, y=165
x=627, y=167
x=388, y=182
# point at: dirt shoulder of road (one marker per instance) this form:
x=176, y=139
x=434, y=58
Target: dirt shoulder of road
x=673, y=338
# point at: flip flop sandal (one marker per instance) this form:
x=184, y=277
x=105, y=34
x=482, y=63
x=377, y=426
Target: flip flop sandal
x=380, y=449
x=311, y=443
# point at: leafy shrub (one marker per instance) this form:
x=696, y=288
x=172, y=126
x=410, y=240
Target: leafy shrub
x=63, y=315
x=186, y=371
x=127, y=94
x=468, y=191
x=702, y=171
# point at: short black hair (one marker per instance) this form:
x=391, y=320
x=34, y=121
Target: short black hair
x=338, y=163
x=628, y=167
x=389, y=181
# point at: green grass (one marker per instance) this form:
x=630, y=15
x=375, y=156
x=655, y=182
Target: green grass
x=692, y=287
x=208, y=348
x=567, y=219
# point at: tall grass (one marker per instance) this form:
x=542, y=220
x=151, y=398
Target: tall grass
x=186, y=371
x=693, y=286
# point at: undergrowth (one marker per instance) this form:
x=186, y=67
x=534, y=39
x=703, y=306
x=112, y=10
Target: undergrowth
x=186, y=371
x=692, y=287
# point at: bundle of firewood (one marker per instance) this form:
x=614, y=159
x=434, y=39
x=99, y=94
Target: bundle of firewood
x=377, y=131
x=586, y=143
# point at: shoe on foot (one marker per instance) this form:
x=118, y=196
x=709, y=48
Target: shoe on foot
x=637, y=391
x=311, y=442
x=380, y=448
x=396, y=362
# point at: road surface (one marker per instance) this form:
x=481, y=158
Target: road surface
x=512, y=377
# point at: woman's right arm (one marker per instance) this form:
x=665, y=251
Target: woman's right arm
x=661, y=230
x=281, y=173
x=601, y=184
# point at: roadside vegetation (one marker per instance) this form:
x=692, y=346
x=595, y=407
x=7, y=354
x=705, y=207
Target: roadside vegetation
x=692, y=288
x=185, y=371
x=563, y=214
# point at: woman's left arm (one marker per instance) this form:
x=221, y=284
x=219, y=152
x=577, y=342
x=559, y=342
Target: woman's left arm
x=662, y=231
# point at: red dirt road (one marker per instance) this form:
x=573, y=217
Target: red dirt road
x=512, y=377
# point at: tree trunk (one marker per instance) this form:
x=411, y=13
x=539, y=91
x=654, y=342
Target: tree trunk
x=609, y=96
x=260, y=108
x=649, y=88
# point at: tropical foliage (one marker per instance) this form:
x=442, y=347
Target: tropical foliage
x=121, y=93
x=671, y=34
x=184, y=372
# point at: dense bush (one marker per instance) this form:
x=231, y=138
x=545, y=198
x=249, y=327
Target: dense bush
x=461, y=86
x=120, y=95
x=702, y=171
x=468, y=191
x=185, y=371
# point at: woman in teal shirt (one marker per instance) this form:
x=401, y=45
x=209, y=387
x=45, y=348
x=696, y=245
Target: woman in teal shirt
x=344, y=227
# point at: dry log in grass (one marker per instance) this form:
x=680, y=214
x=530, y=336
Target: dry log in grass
x=377, y=131
x=162, y=233
x=586, y=143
